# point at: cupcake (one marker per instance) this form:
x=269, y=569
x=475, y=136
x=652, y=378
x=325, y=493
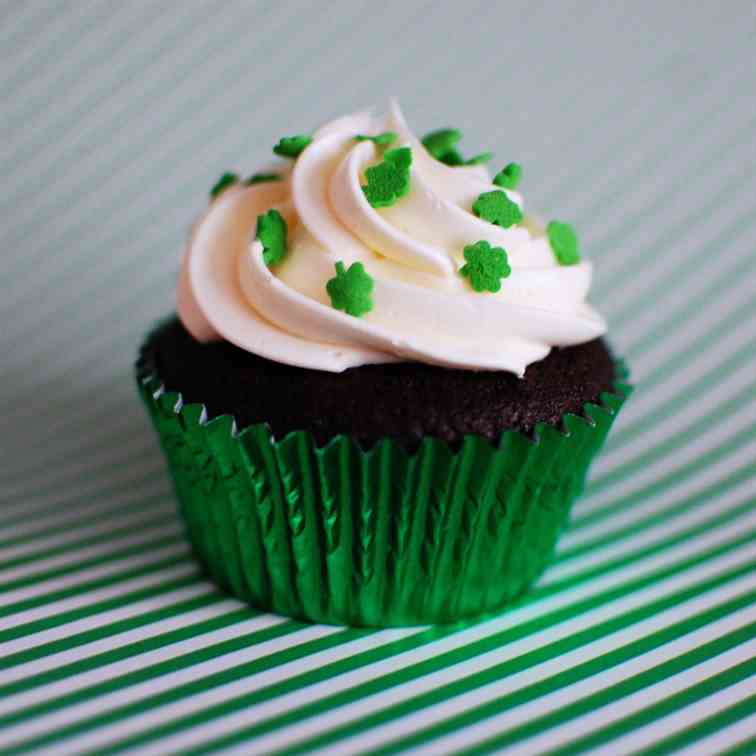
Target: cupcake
x=384, y=385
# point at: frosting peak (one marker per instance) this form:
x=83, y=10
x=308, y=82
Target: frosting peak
x=449, y=283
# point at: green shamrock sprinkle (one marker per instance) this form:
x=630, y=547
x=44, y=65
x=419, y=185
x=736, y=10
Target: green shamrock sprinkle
x=292, y=146
x=226, y=180
x=261, y=178
x=382, y=140
x=509, y=176
x=564, y=242
x=495, y=207
x=389, y=180
x=271, y=231
x=442, y=145
x=350, y=289
x=485, y=266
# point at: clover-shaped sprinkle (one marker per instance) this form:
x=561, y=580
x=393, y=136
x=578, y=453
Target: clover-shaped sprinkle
x=442, y=145
x=292, y=146
x=261, y=178
x=271, y=231
x=381, y=140
x=564, y=242
x=485, y=266
x=495, y=207
x=350, y=289
x=509, y=176
x=389, y=180
x=226, y=180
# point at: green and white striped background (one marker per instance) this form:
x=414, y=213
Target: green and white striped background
x=635, y=122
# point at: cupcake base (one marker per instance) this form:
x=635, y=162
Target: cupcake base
x=380, y=534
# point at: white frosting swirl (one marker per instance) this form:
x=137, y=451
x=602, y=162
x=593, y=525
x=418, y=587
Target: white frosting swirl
x=423, y=309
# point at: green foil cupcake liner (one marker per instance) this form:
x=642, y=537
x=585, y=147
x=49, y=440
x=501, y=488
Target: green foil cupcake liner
x=378, y=537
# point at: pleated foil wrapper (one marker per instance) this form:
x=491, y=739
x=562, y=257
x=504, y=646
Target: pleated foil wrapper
x=374, y=537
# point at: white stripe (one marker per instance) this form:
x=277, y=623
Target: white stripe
x=185, y=139
x=550, y=702
x=72, y=559
x=404, y=725
x=685, y=717
x=13, y=703
x=86, y=574
x=647, y=538
x=90, y=455
x=96, y=438
x=723, y=740
x=187, y=619
x=61, y=717
x=88, y=486
x=100, y=526
x=93, y=622
x=605, y=715
x=44, y=518
x=687, y=485
x=711, y=96
x=87, y=55
x=617, y=490
x=511, y=619
x=630, y=473
x=89, y=598
x=729, y=349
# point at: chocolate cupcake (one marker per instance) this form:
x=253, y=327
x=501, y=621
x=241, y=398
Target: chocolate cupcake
x=385, y=387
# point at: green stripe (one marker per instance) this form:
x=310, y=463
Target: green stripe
x=670, y=235
x=162, y=167
x=494, y=673
x=626, y=687
x=674, y=442
x=703, y=497
x=719, y=373
x=55, y=505
x=673, y=703
x=692, y=306
x=414, y=671
x=153, y=671
x=113, y=556
x=176, y=694
x=111, y=536
x=703, y=118
x=116, y=628
x=74, y=453
x=643, y=552
x=52, y=488
x=103, y=515
x=674, y=477
x=708, y=726
x=92, y=409
x=643, y=217
x=745, y=748
x=91, y=610
x=120, y=653
x=89, y=585
x=672, y=366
